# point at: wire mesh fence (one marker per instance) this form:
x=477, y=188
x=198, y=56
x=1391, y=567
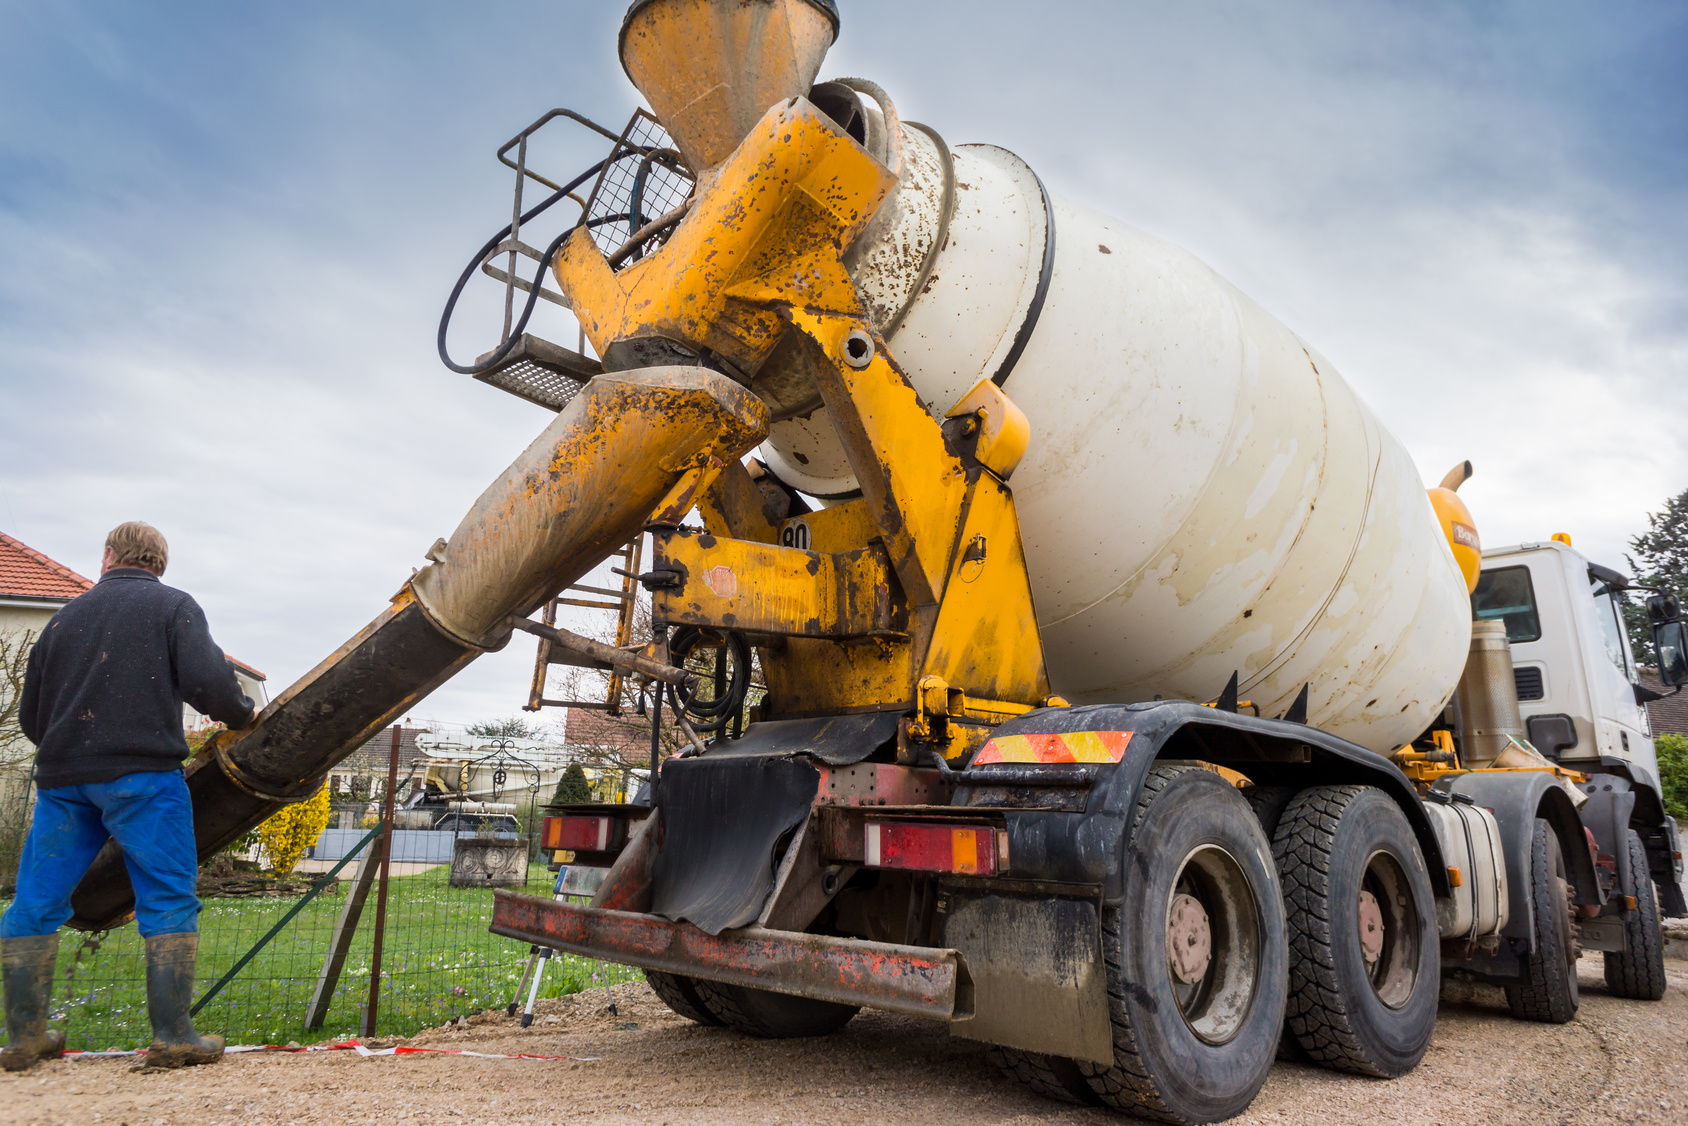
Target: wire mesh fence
x=311, y=979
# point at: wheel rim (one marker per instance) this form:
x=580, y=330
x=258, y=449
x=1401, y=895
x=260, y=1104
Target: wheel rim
x=1389, y=929
x=1213, y=948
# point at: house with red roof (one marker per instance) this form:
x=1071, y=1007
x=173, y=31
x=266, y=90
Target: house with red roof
x=33, y=587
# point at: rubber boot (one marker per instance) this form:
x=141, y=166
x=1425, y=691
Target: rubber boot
x=170, y=959
x=28, y=972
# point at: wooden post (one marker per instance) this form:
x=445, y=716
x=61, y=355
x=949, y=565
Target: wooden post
x=370, y=1010
x=345, y=929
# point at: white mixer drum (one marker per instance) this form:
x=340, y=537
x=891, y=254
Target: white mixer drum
x=1203, y=494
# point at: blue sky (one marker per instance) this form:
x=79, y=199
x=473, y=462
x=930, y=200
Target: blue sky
x=226, y=231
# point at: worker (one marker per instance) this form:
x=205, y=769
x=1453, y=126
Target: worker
x=102, y=702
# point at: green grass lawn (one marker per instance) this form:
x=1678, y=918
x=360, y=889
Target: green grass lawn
x=438, y=962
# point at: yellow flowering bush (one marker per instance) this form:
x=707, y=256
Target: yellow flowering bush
x=293, y=829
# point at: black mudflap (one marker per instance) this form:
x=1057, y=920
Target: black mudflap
x=722, y=820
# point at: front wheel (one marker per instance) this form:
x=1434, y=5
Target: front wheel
x=1195, y=955
x=1639, y=971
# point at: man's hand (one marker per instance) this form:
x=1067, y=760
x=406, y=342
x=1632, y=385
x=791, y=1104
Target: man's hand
x=253, y=718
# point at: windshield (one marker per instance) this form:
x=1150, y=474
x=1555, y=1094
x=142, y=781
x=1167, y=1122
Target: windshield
x=1506, y=592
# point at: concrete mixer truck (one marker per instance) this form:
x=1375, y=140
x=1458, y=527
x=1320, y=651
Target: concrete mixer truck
x=1130, y=705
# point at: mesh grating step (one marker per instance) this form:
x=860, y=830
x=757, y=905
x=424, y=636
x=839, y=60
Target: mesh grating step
x=542, y=372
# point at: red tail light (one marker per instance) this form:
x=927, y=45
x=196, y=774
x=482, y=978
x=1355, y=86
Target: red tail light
x=972, y=850
x=582, y=834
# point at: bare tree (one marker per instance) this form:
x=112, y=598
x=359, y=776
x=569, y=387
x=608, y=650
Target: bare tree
x=14, y=660
x=17, y=755
x=629, y=745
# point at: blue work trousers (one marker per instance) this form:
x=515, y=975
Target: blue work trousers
x=150, y=815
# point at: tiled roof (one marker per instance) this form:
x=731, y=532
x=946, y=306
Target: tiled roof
x=26, y=573
x=626, y=736
x=1670, y=715
x=246, y=668
x=375, y=755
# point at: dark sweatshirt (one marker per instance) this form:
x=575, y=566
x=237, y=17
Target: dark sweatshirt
x=103, y=693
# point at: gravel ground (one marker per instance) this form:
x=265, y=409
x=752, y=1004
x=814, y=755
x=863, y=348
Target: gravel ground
x=1618, y=1062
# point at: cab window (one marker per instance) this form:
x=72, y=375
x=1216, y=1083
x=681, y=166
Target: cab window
x=1610, y=614
x=1506, y=592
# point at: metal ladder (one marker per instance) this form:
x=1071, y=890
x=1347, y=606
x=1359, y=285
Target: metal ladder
x=603, y=598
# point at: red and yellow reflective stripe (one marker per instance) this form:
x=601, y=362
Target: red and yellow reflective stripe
x=1074, y=746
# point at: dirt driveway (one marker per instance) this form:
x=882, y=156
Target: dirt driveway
x=1619, y=1062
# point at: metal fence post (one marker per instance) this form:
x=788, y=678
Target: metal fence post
x=370, y=1010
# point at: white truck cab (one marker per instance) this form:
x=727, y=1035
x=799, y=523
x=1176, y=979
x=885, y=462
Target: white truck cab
x=1582, y=703
x=1575, y=672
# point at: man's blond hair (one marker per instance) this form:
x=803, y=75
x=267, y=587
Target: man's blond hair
x=135, y=544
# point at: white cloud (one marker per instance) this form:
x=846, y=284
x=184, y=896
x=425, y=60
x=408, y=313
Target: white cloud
x=223, y=249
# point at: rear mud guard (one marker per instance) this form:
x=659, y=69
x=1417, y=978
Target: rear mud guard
x=1055, y=846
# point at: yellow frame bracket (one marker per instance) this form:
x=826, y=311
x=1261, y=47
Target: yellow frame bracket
x=760, y=254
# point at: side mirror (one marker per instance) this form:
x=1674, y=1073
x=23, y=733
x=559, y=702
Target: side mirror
x=1663, y=608
x=1670, y=639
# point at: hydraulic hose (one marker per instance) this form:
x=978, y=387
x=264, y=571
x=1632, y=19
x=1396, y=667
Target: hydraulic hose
x=712, y=715
x=504, y=349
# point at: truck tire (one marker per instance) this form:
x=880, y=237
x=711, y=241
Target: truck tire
x=1365, y=958
x=680, y=994
x=1548, y=989
x=1639, y=972
x=1053, y=1077
x=1269, y=803
x=1194, y=1035
x=773, y=1016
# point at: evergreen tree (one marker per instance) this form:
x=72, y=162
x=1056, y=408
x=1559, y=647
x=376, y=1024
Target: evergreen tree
x=1660, y=558
x=572, y=787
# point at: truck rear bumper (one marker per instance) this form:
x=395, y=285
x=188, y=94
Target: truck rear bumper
x=914, y=980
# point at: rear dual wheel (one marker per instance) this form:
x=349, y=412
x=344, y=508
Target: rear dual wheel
x=680, y=994
x=1195, y=956
x=773, y=1016
x=754, y=1012
x=1365, y=954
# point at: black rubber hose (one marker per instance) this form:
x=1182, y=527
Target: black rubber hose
x=637, y=199
x=713, y=715
x=533, y=294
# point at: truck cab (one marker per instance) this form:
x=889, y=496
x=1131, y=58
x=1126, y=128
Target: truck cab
x=1581, y=699
x=1574, y=669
